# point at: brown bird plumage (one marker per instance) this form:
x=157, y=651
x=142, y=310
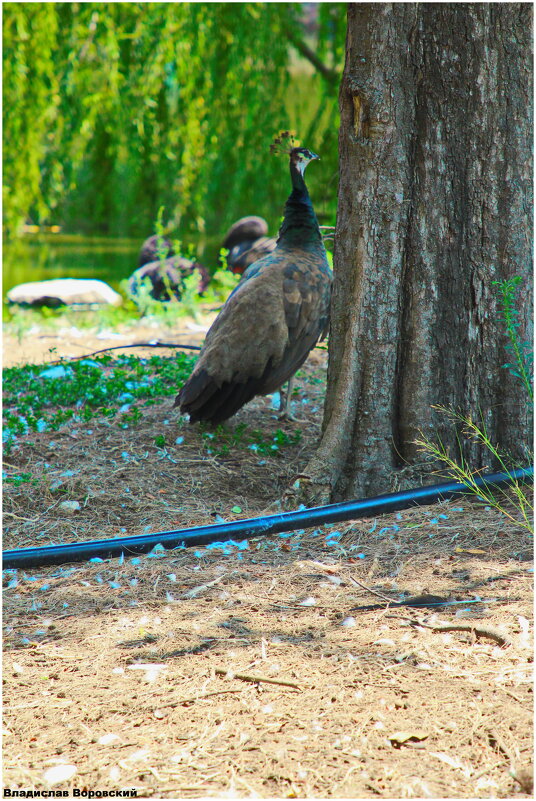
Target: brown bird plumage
x=246, y=242
x=242, y=256
x=271, y=321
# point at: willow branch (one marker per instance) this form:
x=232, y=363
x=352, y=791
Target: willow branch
x=329, y=74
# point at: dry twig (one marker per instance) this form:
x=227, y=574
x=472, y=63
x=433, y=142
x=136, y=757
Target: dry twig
x=479, y=631
x=369, y=589
x=264, y=679
x=197, y=698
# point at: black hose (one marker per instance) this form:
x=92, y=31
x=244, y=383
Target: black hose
x=254, y=527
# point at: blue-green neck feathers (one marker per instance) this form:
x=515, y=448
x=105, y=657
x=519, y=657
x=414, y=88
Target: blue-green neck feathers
x=300, y=226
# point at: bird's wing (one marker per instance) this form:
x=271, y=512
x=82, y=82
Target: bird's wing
x=262, y=335
x=306, y=302
x=250, y=330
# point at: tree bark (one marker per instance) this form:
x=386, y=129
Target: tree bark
x=435, y=200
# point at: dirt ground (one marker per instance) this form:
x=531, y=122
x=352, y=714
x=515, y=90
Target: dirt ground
x=257, y=669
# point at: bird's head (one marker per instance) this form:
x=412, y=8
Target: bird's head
x=299, y=156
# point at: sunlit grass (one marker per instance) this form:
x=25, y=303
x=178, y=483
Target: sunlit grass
x=513, y=502
x=43, y=398
x=220, y=441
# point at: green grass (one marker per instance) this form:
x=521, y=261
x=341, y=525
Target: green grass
x=40, y=398
x=504, y=501
x=18, y=321
x=220, y=441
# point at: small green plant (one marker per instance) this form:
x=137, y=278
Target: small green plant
x=131, y=417
x=185, y=301
x=461, y=471
x=190, y=298
x=224, y=253
x=17, y=480
x=220, y=441
x=221, y=285
x=160, y=231
x=521, y=351
x=188, y=251
x=141, y=298
x=42, y=399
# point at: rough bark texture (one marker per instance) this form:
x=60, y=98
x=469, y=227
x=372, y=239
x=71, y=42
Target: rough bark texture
x=435, y=201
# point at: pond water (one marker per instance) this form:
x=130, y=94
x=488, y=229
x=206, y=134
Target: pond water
x=40, y=256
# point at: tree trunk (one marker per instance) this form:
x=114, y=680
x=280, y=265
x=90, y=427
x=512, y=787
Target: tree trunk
x=434, y=205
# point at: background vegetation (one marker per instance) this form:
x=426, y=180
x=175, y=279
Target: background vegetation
x=112, y=110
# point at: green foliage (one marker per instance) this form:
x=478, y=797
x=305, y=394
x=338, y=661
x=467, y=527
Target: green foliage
x=102, y=387
x=142, y=298
x=190, y=298
x=159, y=229
x=191, y=302
x=30, y=107
x=114, y=109
x=18, y=479
x=332, y=32
x=521, y=351
x=504, y=500
x=221, y=285
x=220, y=441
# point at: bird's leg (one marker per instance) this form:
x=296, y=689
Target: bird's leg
x=284, y=403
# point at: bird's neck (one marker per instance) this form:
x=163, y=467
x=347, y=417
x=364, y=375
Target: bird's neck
x=300, y=226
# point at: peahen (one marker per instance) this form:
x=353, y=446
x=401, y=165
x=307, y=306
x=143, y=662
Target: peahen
x=247, y=242
x=164, y=272
x=241, y=256
x=154, y=248
x=246, y=229
x=272, y=319
x=165, y=278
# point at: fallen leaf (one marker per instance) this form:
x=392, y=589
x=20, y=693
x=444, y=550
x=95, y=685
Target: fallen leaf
x=309, y=601
x=196, y=590
x=69, y=507
x=475, y=551
x=400, y=737
x=308, y=564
